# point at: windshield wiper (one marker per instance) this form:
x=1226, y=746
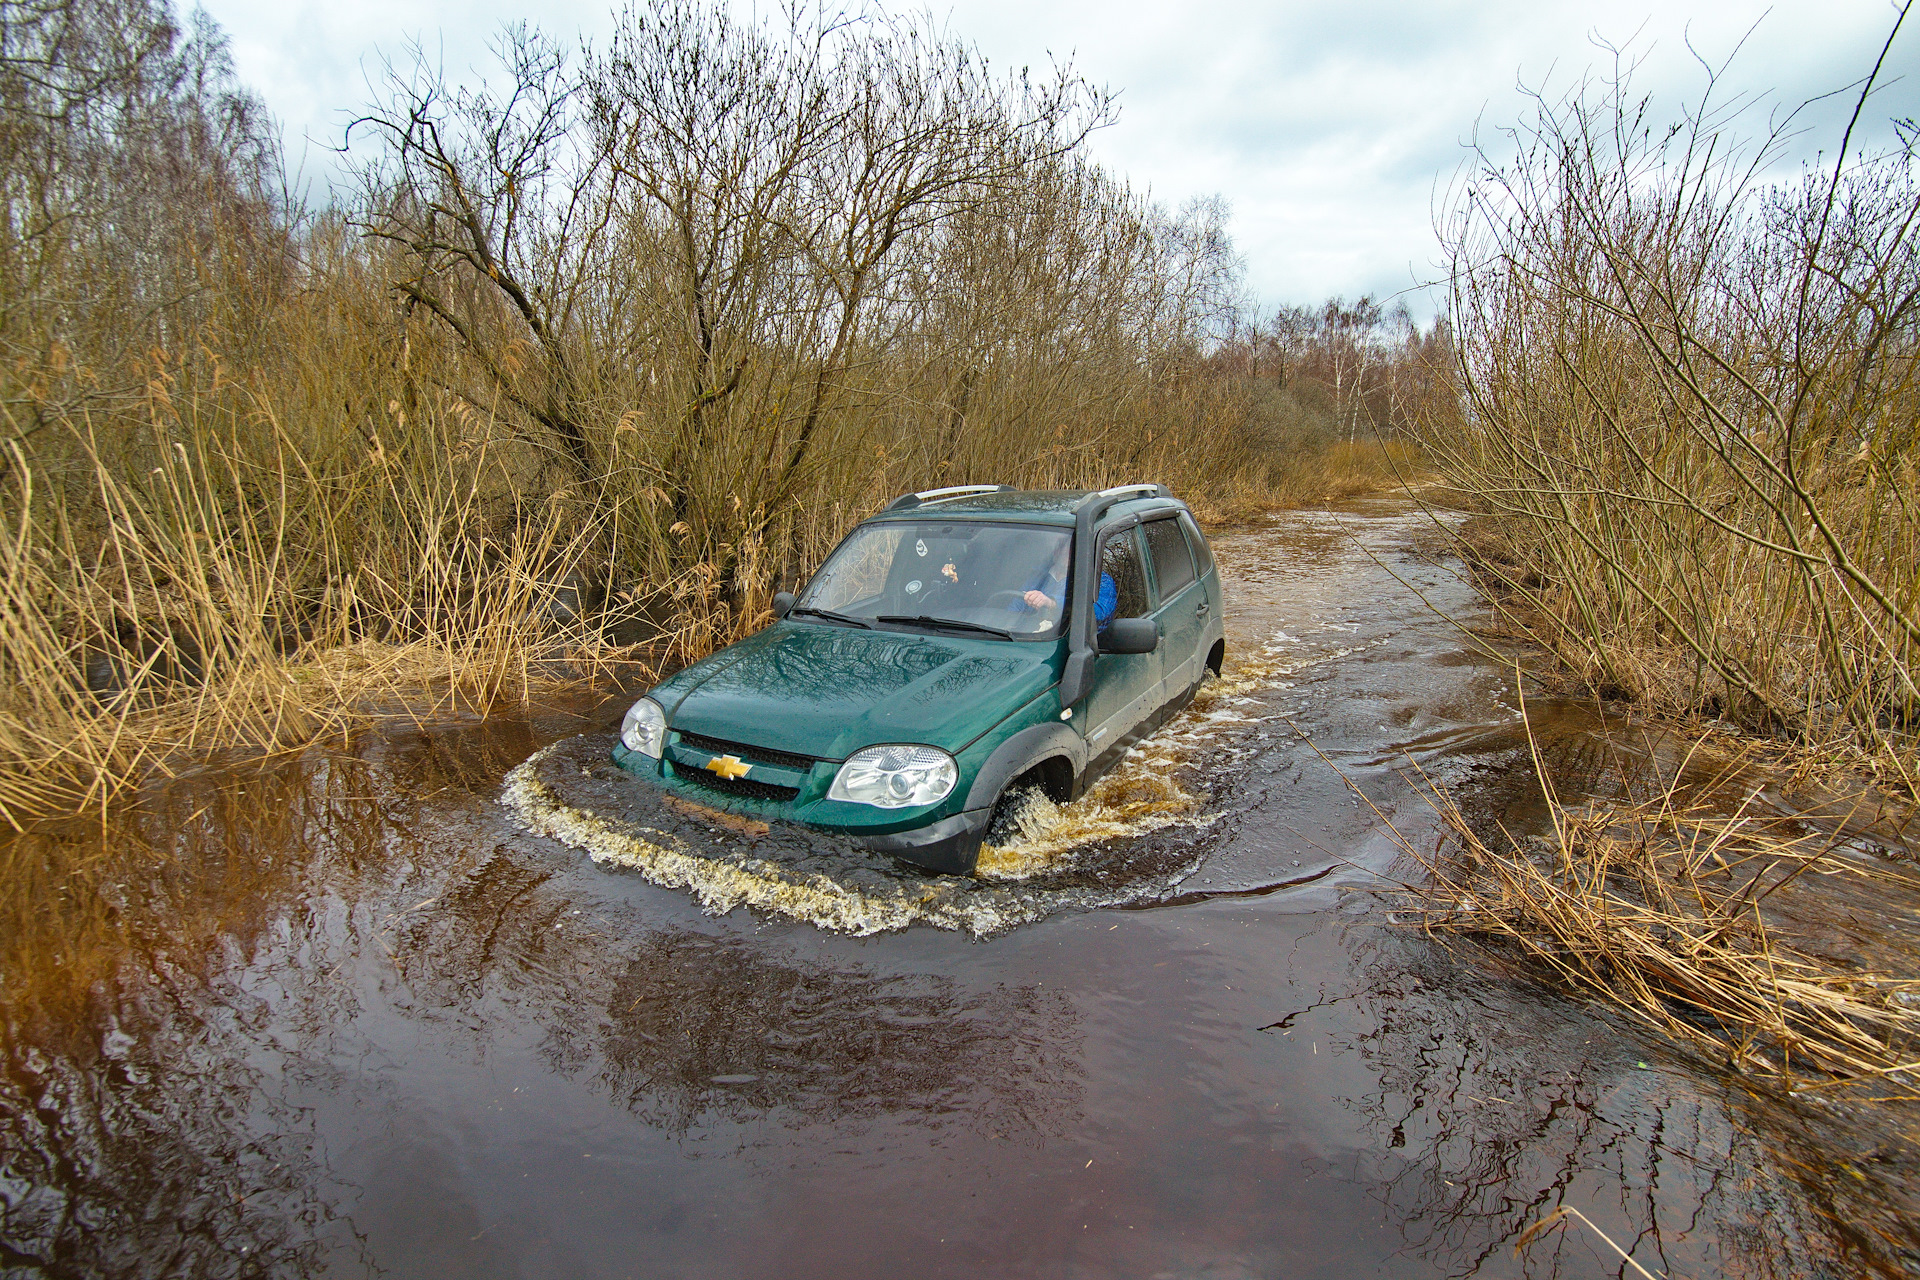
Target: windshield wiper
x=829, y=614
x=922, y=620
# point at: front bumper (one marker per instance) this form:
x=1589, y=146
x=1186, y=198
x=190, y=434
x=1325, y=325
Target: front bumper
x=948, y=845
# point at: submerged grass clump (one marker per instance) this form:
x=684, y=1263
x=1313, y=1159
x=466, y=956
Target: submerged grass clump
x=1676, y=912
x=1663, y=914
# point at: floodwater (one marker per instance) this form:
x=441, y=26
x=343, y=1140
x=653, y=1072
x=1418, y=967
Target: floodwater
x=425, y=1010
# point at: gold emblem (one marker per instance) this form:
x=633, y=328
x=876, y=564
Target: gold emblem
x=728, y=766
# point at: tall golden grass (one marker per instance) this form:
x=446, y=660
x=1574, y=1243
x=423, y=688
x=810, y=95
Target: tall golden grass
x=236, y=596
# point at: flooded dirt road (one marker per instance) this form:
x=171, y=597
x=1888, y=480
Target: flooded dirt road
x=350, y=1016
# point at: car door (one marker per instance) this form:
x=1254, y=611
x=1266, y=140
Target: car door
x=1181, y=606
x=1213, y=630
x=1126, y=686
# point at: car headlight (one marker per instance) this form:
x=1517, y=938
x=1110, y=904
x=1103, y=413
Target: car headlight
x=895, y=776
x=645, y=728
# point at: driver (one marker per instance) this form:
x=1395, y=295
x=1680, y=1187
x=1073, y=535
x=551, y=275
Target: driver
x=1047, y=591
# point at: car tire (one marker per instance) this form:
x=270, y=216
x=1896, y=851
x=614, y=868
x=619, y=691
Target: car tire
x=1010, y=808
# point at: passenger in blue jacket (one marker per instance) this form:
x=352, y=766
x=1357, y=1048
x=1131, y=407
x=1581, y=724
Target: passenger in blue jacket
x=1048, y=590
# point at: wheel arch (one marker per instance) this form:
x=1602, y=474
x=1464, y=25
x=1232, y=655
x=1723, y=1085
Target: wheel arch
x=1053, y=750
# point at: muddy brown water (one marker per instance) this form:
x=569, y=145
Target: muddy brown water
x=407, y=1012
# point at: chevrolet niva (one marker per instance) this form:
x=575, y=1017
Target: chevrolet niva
x=958, y=648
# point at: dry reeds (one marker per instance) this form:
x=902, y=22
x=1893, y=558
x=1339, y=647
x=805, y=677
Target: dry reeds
x=1661, y=908
x=236, y=594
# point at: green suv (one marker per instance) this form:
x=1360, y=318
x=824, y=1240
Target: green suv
x=959, y=646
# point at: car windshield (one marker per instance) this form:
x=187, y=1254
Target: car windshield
x=992, y=577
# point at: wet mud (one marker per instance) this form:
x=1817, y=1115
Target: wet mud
x=462, y=1002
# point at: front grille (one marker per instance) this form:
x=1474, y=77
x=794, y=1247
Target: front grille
x=745, y=788
x=757, y=755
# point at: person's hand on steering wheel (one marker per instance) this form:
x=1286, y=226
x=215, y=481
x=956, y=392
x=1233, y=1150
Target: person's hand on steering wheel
x=1038, y=600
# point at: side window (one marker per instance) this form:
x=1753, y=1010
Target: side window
x=1120, y=564
x=1202, y=555
x=1172, y=562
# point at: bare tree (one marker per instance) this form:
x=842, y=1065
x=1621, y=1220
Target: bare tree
x=1194, y=287
x=1691, y=391
x=788, y=171
x=126, y=152
x=499, y=214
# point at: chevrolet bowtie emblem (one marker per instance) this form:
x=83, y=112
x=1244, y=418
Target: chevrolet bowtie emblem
x=728, y=766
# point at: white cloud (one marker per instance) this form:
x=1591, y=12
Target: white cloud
x=1326, y=126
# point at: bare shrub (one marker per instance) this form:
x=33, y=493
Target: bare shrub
x=1691, y=400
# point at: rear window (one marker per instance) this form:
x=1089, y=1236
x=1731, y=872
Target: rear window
x=1172, y=562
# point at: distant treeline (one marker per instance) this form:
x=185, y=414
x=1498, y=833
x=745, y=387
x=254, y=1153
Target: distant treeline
x=604, y=349
x=1342, y=372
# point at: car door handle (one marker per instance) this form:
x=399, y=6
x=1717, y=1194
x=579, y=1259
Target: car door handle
x=1200, y=610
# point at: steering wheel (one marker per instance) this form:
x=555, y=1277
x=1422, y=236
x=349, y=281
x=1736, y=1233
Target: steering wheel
x=1004, y=599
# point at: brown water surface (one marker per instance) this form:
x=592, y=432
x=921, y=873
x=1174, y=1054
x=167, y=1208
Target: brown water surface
x=348, y=1016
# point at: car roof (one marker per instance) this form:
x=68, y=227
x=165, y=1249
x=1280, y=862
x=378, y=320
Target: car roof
x=1022, y=506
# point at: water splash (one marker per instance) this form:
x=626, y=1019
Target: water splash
x=1082, y=855
x=735, y=873
x=571, y=792
x=1159, y=783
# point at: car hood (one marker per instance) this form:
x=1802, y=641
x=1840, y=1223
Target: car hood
x=827, y=691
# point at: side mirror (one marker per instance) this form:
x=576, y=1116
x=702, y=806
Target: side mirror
x=782, y=603
x=1130, y=635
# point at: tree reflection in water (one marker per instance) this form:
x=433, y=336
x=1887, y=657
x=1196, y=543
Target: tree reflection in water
x=708, y=1028
x=142, y=1128
x=167, y=971
x=686, y=1029
x=132, y=1158
x=1493, y=1107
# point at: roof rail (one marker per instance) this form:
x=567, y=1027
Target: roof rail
x=947, y=494
x=1122, y=493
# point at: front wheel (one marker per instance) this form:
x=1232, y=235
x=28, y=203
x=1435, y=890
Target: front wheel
x=1010, y=811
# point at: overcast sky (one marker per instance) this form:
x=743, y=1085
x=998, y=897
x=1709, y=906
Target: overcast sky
x=1332, y=129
